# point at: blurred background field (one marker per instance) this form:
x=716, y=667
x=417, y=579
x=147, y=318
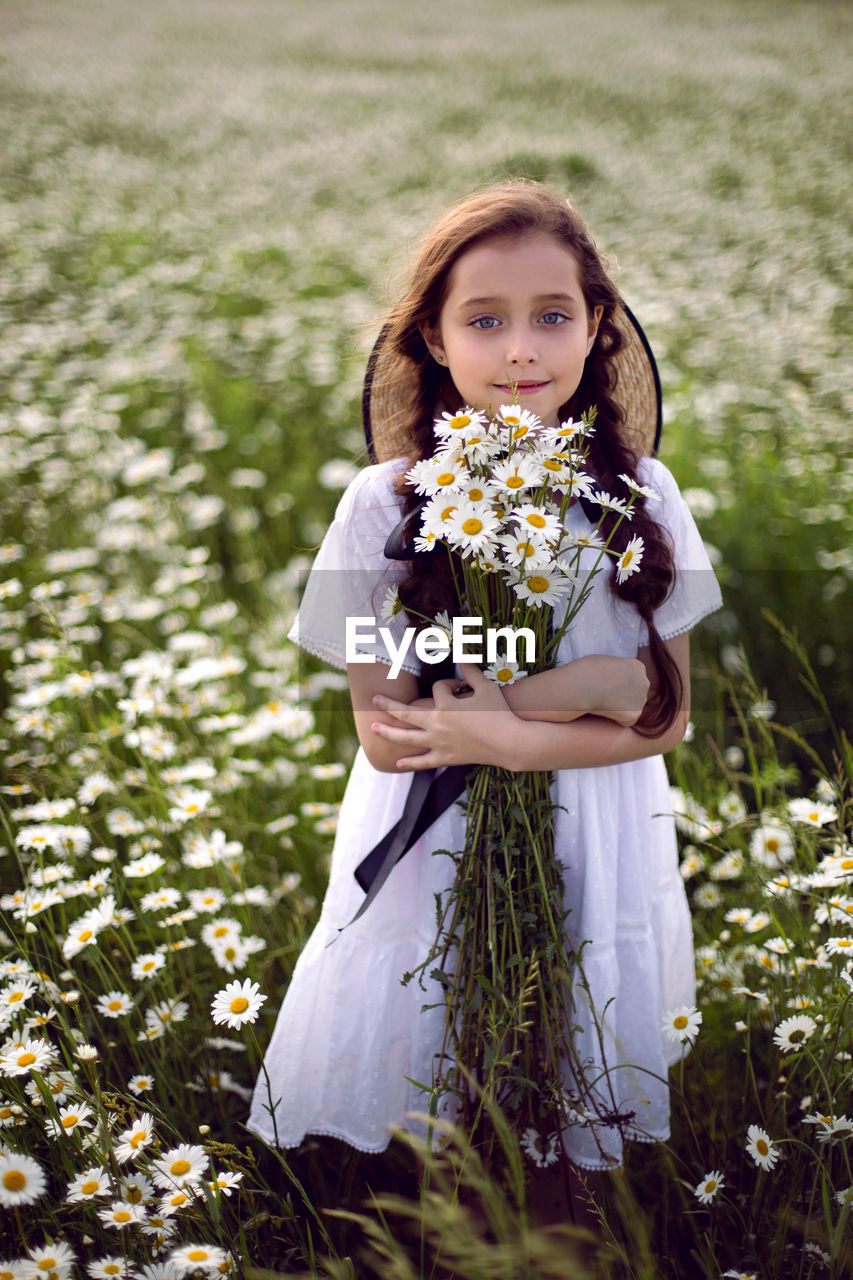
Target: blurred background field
x=202, y=208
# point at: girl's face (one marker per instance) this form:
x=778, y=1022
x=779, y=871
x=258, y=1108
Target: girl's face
x=515, y=313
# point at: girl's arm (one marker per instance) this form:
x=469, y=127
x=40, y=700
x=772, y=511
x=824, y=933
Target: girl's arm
x=482, y=729
x=597, y=685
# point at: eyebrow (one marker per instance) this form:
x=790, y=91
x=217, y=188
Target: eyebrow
x=544, y=297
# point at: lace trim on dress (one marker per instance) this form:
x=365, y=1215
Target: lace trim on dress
x=688, y=626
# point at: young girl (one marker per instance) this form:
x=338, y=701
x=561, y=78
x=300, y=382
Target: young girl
x=507, y=296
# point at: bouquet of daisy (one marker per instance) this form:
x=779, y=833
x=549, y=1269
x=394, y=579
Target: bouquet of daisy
x=497, y=491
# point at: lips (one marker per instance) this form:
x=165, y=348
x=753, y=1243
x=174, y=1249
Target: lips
x=522, y=386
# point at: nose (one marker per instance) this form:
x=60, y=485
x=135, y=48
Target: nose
x=521, y=348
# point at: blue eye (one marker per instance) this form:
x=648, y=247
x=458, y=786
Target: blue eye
x=484, y=322
x=554, y=317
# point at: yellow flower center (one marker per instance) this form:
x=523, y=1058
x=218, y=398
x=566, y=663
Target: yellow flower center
x=114, y=1004
x=15, y=997
x=26, y=1059
x=845, y=942
x=112, y=1269
x=239, y=1004
x=197, y=1255
x=459, y=422
x=138, y=1137
x=148, y=964
x=847, y=864
x=85, y=935
x=180, y=1166
x=680, y=1022
x=46, y=1264
x=476, y=495
x=446, y=477
x=447, y=513
x=537, y=584
x=472, y=525
x=537, y=521
x=191, y=808
x=771, y=844
x=553, y=464
x=710, y=1184
x=627, y=557
x=504, y=674
x=68, y=1122
x=515, y=481
x=89, y=1188
x=221, y=931
x=761, y=1147
x=133, y=1194
x=122, y=1215
x=178, y=1199
x=14, y=1180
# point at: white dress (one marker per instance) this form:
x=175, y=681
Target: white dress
x=350, y=1038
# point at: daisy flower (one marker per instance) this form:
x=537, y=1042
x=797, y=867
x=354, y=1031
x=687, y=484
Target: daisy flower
x=682, y=1023
x=476, y=490
x=139, y=1084
x=710, y=1186
x=812, y=812
x=439, y=475
x=391, y=605
x=546, y=586
x=518, y=473
x=472, y=528
x=830, y=1127
x=174, y=1202
x=771, y=844
x=793, y=1032
x=190, y=1257
x=23, y=1056
x=114, y=1004
x=520, y=421
x=630, y=559
x=225, y=1182
x=183, y=1164
x=16, y=994
x=50, y=1261
x=22, y=1179
x=542, y=1151
x=525, y=550
x=134, y=1140
x=87, y=1185
x=121, y=1215
x=237, y=1003
x=606, y=500
x=760, y=1146
x=72, y=1119
x=537, y=521
x=188, y=803
x=108, y=1268
x=435, y=516
x=455, y=426
x=504, y=673
x=151, y=962
x=838, y=946
x=575, y=483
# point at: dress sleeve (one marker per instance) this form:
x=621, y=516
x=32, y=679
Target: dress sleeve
x=350, y=577
x=696, y=592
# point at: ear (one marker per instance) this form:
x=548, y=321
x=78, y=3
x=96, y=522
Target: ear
x=592, y=328
x=431, y=335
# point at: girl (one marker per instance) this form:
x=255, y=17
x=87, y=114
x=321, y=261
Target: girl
x=508, y=295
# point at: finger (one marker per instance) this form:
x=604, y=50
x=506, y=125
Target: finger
x=413, y=764
x=473, y=674
x=399, y=710
x=397, y=733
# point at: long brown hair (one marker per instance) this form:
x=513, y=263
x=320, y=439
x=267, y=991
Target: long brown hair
x=520, y=208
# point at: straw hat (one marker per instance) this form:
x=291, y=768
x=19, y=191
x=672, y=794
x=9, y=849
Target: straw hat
x=637, y=390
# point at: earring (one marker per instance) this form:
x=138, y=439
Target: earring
x=440, y=359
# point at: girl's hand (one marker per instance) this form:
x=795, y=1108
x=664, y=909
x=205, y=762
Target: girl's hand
x=466, y=725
